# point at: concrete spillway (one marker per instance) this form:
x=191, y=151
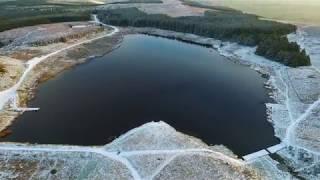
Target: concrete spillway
x=264, y=152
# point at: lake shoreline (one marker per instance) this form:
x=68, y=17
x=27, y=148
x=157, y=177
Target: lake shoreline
x=52, y=67
x=277, y=82
x=25, y=97
x=294, y=91
x=29, y=88
x=183, y=37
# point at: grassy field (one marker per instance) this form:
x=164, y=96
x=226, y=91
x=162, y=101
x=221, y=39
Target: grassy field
x=21, y=13
x=299, y=11
x=212, y=7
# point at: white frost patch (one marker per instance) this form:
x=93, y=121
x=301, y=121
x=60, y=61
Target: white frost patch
x=295, y=90
x=246, y=55
x=57, y=149
x=269, y=169
x=79, y=26
x=135, y=161
x=309, y=39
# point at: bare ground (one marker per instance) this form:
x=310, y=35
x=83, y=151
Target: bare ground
x=37, y=44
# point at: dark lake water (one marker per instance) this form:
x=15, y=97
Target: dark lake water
x=190, y=87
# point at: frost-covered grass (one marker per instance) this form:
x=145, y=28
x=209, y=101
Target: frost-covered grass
x=161, y=151
x=206, y=6
x=295, y=111
x=10, y=95
x=295, y=114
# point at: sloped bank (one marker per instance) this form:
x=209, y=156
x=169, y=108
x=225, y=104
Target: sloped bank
x=46, y=61
x=153, y=151
x=295, y=91
x=294, y=113
x=168, y=154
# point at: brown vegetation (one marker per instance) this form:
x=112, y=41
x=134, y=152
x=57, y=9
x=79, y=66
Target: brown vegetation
x=67, y=37
x=5, y=133
x=2, y=69
x=25, y=54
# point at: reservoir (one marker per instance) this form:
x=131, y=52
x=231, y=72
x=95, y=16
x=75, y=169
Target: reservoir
x=190, y=87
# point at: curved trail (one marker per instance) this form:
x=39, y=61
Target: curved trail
x=122, y=157
x=10, y=95
x=286, y=94
x=101, y=151
x=291, y=130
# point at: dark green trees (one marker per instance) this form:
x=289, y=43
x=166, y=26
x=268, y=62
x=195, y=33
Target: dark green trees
x=280, y=50
x=245, y=29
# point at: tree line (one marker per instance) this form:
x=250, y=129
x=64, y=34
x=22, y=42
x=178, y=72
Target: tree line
x=269, y=37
